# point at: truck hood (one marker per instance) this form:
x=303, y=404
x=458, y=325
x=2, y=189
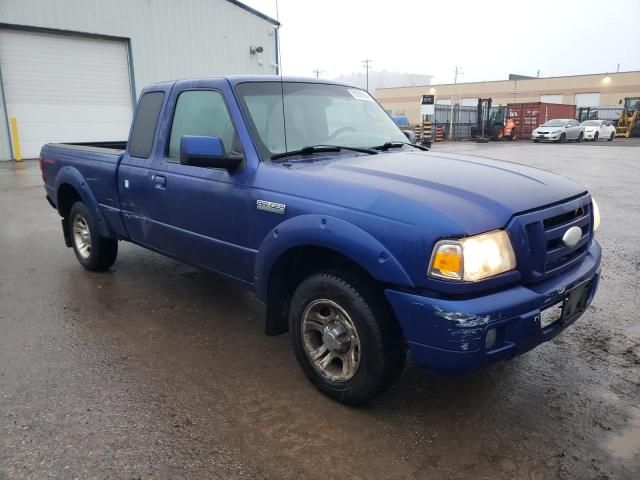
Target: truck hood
x=473, y=192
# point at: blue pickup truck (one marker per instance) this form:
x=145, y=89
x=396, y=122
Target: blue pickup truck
x=362, y=245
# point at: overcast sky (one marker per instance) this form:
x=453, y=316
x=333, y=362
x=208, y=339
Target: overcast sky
x=488, y=39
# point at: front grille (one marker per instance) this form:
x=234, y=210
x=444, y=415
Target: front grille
x=545, y=253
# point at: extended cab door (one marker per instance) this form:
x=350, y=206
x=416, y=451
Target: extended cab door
x=134, y=188
x=198, y=214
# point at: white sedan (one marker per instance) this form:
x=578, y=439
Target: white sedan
x=598, y=130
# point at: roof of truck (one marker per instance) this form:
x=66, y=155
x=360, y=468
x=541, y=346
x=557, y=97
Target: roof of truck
x=236, y=79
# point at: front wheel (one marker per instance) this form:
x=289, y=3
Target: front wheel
x=514, y=135
x=611, y=137
x=345, y=338
x=562, y=138
x=92, y=251
x=595, y=137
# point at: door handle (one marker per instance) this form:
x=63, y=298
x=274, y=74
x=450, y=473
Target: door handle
x=159, y=181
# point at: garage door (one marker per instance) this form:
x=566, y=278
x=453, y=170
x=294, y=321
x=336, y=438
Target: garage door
x=65, y=88
x=587, y=99
x=551, y=98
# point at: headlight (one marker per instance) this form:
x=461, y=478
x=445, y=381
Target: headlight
x=473, y=258
x=596, y=215
x=557, y=131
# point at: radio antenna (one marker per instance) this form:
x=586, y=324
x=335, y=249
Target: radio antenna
x=279, y=60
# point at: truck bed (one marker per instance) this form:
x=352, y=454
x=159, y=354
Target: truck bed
x=95, y=163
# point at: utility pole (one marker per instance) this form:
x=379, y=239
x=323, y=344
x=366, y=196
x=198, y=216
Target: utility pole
x=317, y=71
x=365, y=64
x=458, y=71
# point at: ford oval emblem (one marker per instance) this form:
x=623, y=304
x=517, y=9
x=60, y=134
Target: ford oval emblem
x=572, y=236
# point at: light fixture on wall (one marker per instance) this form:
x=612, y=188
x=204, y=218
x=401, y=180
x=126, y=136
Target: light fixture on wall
x=606, y=79
x=253, y=50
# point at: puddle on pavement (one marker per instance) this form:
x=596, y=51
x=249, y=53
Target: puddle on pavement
x=627, y=444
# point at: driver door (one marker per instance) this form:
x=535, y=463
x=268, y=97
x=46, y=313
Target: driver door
x=199, y=213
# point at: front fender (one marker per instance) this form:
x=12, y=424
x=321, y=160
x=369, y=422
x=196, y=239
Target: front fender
x=70, y=175
x=332, y=233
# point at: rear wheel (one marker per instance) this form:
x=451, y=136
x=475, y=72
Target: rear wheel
x=345, y=338
x=499, y=134
x=514, y=135
x=92, y=251
x=580, y=137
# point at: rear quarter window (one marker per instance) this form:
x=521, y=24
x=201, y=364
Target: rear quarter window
x=144, y=124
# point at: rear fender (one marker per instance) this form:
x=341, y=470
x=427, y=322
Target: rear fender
x=71, y=176
x=334, y=234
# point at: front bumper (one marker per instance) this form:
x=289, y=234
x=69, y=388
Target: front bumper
x=589, y=135
x=546, y=137
x=448, y=336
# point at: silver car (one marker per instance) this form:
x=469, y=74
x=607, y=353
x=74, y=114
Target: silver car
x=558, y=130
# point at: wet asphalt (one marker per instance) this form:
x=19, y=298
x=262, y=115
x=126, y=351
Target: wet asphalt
x=156, y=369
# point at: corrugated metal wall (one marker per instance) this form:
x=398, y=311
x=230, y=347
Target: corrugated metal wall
x=169, y=39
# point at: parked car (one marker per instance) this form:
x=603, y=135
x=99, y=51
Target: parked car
x=558, y=131
x=598, y=130
x=361, y=245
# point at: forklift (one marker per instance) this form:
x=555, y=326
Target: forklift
x=587, y=113
x=628, y=124
x=493, y=122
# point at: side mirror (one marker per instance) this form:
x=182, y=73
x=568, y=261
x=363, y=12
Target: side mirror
x=207, y=152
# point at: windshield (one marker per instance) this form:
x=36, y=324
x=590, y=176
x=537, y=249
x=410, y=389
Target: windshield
x=591, y=123
x=555, y=123
x=497, y=114
x=316, y=114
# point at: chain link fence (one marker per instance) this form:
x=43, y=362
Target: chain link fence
x=463, y=119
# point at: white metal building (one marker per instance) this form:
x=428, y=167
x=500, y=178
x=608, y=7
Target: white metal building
x=71, y=70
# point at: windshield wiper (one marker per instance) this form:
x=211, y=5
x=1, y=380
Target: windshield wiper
x=387, y=145
x=321, y=149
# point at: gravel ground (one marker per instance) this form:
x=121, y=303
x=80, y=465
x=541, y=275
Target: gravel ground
x=159, y=370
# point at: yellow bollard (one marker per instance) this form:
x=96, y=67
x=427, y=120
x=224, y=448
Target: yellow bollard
x=16, y=140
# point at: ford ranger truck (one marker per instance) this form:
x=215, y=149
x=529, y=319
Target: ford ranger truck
x=362, y=245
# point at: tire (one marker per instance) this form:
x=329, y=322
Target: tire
x=499, y=134
x=562, y=138
x=92, y=251
x=338, y=317
x=536, y=141
x=595, y=137
x=611, y=137
x=580, y=137
x=514, y=136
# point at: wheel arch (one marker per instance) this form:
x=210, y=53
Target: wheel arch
x=306, y=244
x=70, y=186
